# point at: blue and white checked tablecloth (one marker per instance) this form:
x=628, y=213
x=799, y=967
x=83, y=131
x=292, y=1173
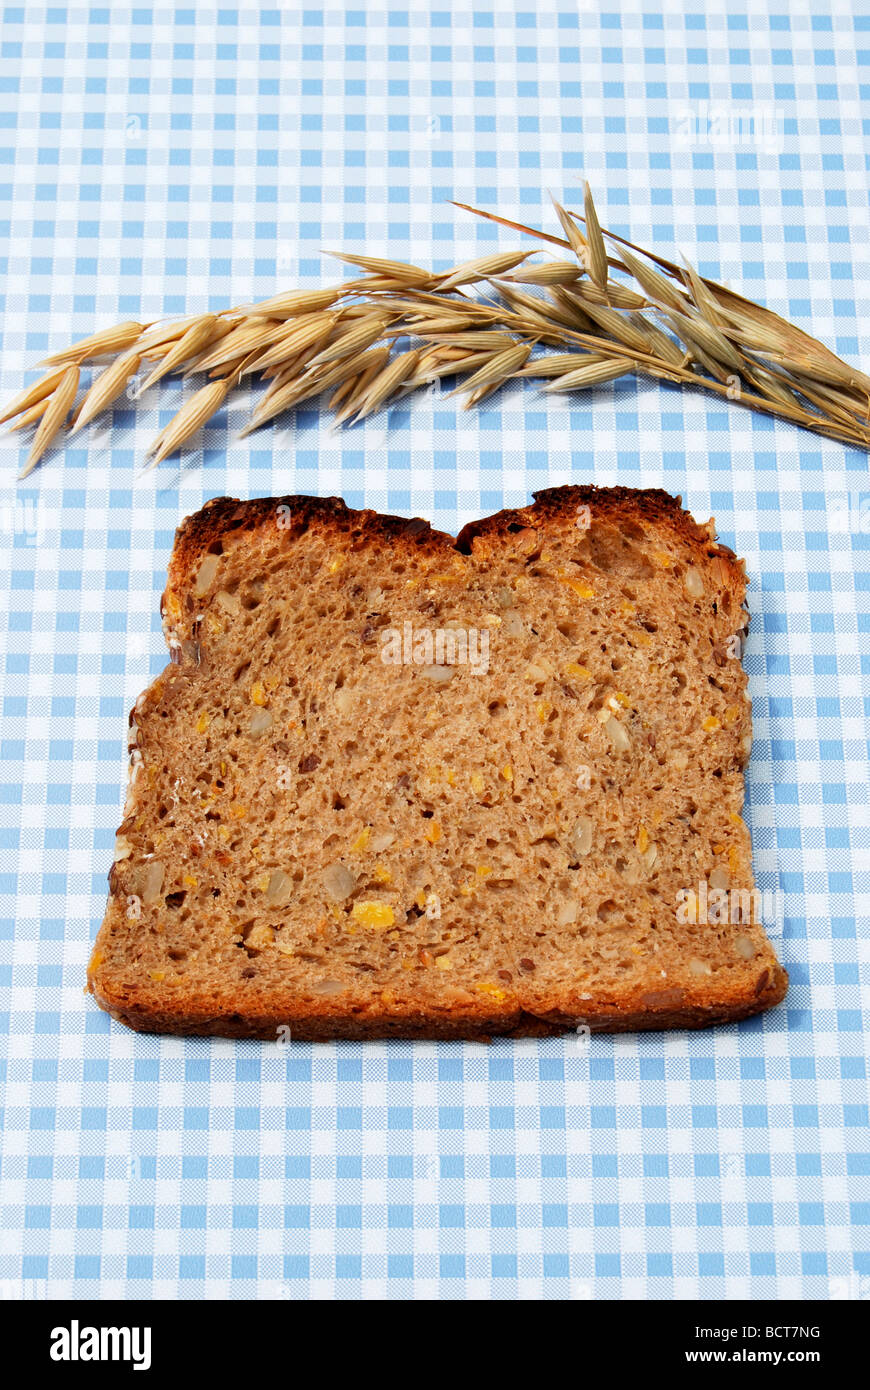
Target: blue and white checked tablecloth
x=155, y=162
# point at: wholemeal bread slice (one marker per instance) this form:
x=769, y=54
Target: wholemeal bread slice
x=397, y=784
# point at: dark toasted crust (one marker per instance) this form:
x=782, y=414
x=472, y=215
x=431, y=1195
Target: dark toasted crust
x=225, y=517
x=147, y=1007
x=226, y=520
x=616, y=504
x=144, y=1008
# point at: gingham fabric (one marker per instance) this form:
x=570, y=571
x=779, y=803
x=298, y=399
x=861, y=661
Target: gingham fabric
x=163, y=161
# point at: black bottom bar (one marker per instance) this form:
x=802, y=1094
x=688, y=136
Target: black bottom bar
x=254, y=1339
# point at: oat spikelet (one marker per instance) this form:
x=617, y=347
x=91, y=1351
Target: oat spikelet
x=475, y=342
x=106, y=389
x=351, y=393
x=424, y=327
x=842, y=375
x=533, y=313
x=306, y=332
x=361, y=336
x=286, y=306
x=422, y=304
x=770, y=385
x=292, y=389
x=614, y=295
x=110, y=340
x=558, y=364
x=696, y=333
x=656, y=286
x=704, y=300
x=621, y=297
x=497, y=370
x=659, y=342
x=242, y=340
x=376, y=358
x=591, y=374
x=576, y=239
x=194, y=341
x=190, y=418
x=563, y=308
x=482, y=269
x=550, y=273
x=55, y=414
x=828, y=399
x=620, y=328
x=431, y=369
x=287, y=395
x=293, y=365
x=596, y=255
x=340, y=395
x=480, y=394
x=292, y=393
x=351, y=313
x=162, y=335
x=222, y=329
x=30, y=416
x=394, y=270
x=38, y=391
x=156, y=352
x=387, y=382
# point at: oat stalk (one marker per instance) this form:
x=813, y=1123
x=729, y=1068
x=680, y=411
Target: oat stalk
x=592, y=308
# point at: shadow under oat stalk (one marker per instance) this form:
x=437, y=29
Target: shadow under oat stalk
x=610, y=309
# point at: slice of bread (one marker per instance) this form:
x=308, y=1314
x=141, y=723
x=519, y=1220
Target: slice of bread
x=394, y=784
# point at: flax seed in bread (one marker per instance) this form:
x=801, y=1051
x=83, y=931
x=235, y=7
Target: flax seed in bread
x=397, y=784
